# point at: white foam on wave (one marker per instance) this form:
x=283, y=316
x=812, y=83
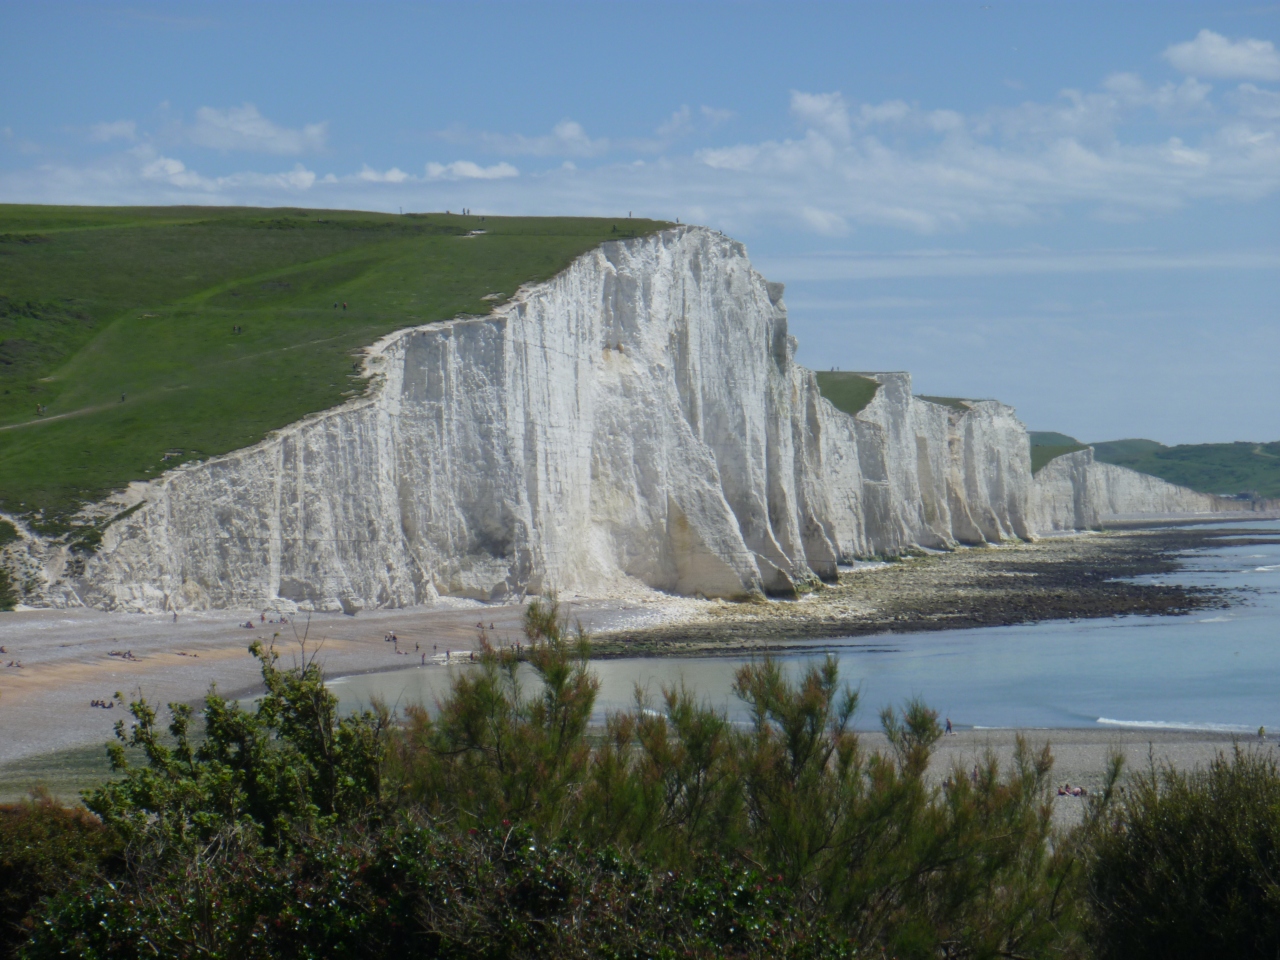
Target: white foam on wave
x=1267, y=569
x=1177, y=725
x=1216, y=620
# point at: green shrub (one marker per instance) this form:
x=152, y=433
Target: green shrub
x=1190, y=864
x=862, y=839
x=290, y=765
x=43, y=848
x=420, y=889
x=504, y=826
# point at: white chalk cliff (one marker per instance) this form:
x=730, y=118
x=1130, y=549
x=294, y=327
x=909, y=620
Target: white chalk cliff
x=1076, y=492
x=637, y=422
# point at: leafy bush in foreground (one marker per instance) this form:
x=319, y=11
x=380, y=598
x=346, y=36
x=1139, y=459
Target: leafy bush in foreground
x=504, y=827
x=43, y=847
x=1190, y=864
x=416, y=890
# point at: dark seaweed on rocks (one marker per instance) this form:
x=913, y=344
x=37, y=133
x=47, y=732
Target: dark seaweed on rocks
x=1072, y=578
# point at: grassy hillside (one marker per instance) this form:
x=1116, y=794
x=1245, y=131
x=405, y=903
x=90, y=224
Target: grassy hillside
x=1223, y=468
x=118, y=350
x=848, y=392
x=1226, y=468
x=1047, y=445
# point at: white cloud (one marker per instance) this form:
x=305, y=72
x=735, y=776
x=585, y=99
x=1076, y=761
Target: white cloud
x=467, y=170
x=678, y=124
x=1122, y=152
x=824, y=221
x=824, y=112
x=174, y=173
x=965, y=263
x=567, y=138
x=116, y=130
x=715, y=116
x=1213, y=55
x=1254, y=102
x=244, y=128
x=394, y=175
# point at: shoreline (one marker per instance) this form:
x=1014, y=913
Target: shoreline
x=67, y=654
x=1078, y=577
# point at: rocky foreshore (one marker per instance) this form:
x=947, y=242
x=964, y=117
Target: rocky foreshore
x=1078, y=577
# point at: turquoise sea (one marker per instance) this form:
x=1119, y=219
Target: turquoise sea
x=1215, y=670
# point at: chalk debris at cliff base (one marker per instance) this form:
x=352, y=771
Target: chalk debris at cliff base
x=1058, y=579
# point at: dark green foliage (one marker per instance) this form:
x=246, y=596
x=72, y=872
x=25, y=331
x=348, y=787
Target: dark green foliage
x=1222, y=468
x=291, y=765
x=848, y=392
x=43, y=848
x=418, y=890
x=142, y=302
x=1117, y=450
x=1190, y=865
x=861, y=838
x=8, y=595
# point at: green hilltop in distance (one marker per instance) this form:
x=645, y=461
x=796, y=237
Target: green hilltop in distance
x=117, y=325
x=1222, y=468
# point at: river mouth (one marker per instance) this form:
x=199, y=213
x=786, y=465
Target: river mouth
x=1090, y=645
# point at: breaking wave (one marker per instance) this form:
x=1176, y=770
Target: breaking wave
x=1178, y=725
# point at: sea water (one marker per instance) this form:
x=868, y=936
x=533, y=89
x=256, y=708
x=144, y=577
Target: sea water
x=1210, y=670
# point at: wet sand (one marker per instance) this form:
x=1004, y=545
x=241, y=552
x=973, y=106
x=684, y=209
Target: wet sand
x=67, y=660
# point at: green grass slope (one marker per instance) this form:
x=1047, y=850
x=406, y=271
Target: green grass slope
x=1047, y=445
x=116, y=324
x=848, y=392
x=1223, y=468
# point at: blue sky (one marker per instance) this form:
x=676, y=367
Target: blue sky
x=1072, y=207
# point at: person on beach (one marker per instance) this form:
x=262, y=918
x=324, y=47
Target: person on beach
x=949, y=730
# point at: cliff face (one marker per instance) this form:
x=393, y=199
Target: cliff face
x=1076, y=492
x=636, y=422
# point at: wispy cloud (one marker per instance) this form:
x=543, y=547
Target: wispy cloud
x=1124, y=151
x=1213, y=55
x=567, y=138
x=394, y=175
x=958, y=263
x=467, y=170
x=244, y=128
